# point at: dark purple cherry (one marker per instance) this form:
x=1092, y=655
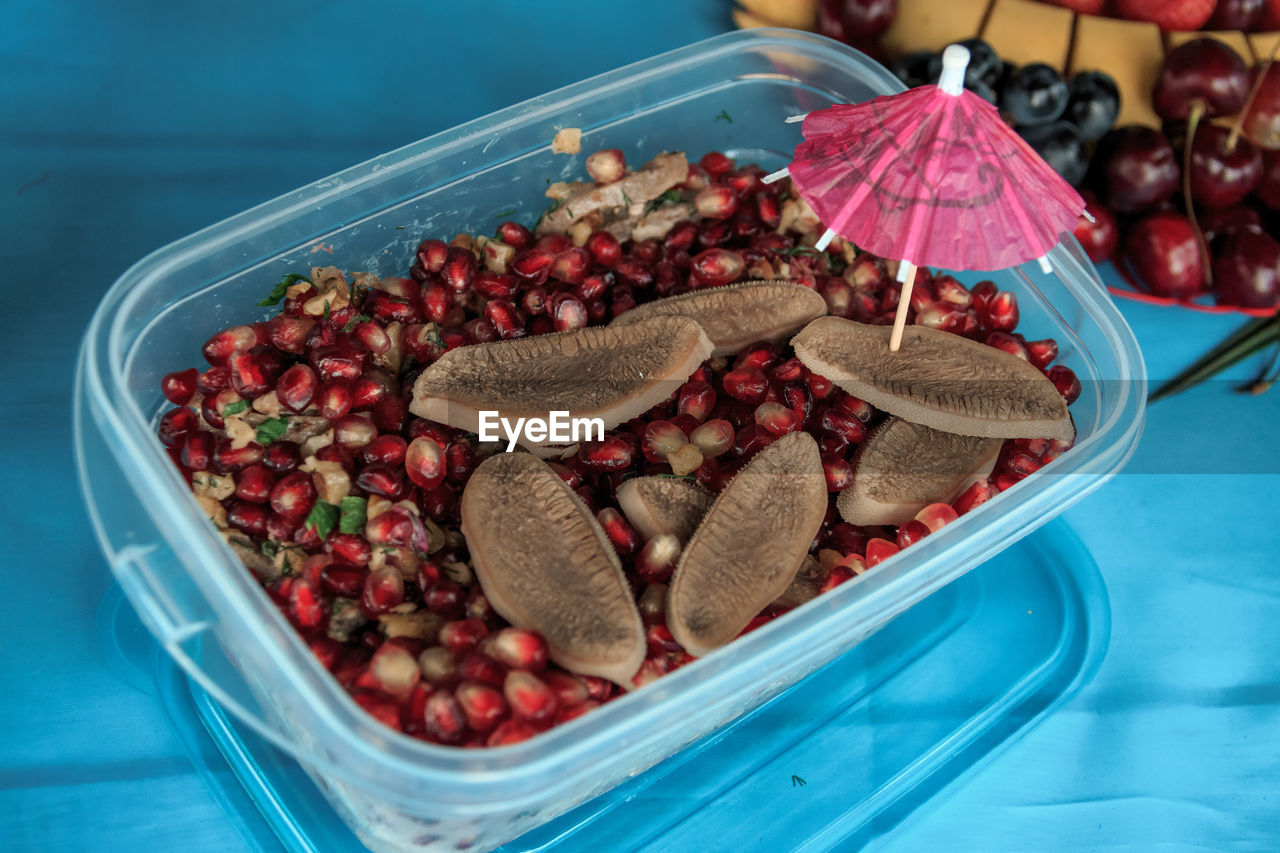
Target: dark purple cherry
x=1164, y=252
x=1246, y=270
x=1261, y=121
x=1229, y=220
x=1236, y=15
x=1136, y=168
x=1205, y=70
x=1268, y=188
x=1223, y=171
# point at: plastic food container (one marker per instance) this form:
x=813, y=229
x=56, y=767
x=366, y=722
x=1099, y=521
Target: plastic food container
x=207, y=611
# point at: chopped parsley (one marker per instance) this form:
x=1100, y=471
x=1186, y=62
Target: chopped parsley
x=724, y=116
x=326, y=310
x=352, y=518
x=322, y=518
x=277, y=292
x=235, y=408
x=355, y=321
x=555, y=205
x=669, y=197
x=799, y=250
x=269, y=548
x=626, y=199
x=511, y=211
x=272, y=429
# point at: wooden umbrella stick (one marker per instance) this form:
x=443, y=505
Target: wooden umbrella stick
x=904, y=302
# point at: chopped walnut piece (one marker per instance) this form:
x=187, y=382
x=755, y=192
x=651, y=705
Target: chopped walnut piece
x=214, y=510
x=333, y=291
x=568, y=141
x=216, y=486
x=313, y=443
x=421, y=624
x=239, y=431
x=332, y=482
x=267, y=404
x=496, y=255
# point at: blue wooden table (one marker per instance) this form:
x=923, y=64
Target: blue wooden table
x=124, y=126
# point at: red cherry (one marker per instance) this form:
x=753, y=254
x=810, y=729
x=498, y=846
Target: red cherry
x=1246, y=270
x=1163, y=250
x=1223, y=172
x=1099, y=237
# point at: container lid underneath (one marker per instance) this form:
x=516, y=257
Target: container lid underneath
x=842, y=759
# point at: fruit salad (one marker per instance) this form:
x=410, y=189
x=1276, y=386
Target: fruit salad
x=751, y=441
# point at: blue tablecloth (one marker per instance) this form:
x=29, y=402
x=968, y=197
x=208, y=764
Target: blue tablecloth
x=127, y=125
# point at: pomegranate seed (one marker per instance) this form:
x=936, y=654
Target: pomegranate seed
x=438, y=666
x=716, y=202
x=696, y=399
x=459, y=269
x=294, y=495
x=661, y=438
x=493, y=285
x=529, y=696
x=715, y=164
x=247, y=517
x=460, y=461
x=879, y=550
x=751, y=440
x=623, y=536
x=374, y=337
x=509, y=732
x=179, y=387
x=482, y=706
x=716, y=267
x=228, y=342
x=463, y=635
x=1000, y=313
x=848, y=539
x=482, y=669
x=436, y=301
x=911, y=532
x=695, y=177
x=819, y=386
x=379, y=479
x=592, y=288
x=352, y=432
x=851, y=405
x=515, y=235
x=281, y=457
x=336, y=453
x=713, y=437
x=839, y=574
x=532, y=266
x=390, y=414
x=305, y=605
x=228, y=459
x=1019, y=463
x=838, y=472
x=1064, y=379
x=197, y=450
x=339, y=580
x=389, y=308
x=748, y=385
x=349, y=548
x=213, y=380
x=337, y=362
x=444, y=598
x=175, y=425
x=846, y=426
x=767, y=210
x=254, y=483
x=518, y=649
x=1008, y=343
x=611, y=454
x=606, y=165
x=777, y=418
x=657, y=559
x=568, y=313
x=296, y=387
x=444, y=719
x=431, y=254
x=392, y=669
x=569, y=690
x=604, y=248
x=502, y=316
x=383, y=590
x=634, y=272
x=936, y=516
x=334, y=399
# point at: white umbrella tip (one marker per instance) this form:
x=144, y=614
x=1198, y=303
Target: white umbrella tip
x=955, y=59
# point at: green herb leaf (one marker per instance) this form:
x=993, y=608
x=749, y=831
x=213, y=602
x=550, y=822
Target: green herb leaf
x=671, y=196
x=322, y=518
x=724, y=116
x=400, y=227
x=235, y=408
x=272, y=429
x=355, y=321
x=555, y=205
x=511, y=211
x=799, y=250
x=353, y=517
x=626, y=199
x=269, y=548
x=1250, y=338
x=326, y=311
x=277, y=292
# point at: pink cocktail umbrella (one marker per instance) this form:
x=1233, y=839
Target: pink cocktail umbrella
x=931, y=176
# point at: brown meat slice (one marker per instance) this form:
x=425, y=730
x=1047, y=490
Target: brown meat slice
x=639, y=187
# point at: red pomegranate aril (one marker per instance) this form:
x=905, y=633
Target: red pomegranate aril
x=436, y=301
x=480, y=330
x=657, y=559
x=1020, y=463
x=502, y=316
x=366, y=392
x=254, y=483
x=250, y=518
x=611, y=454
x=518, y=649
x=388, y=308
x=1064, y=379
x=336, y=453
x=838, y=575
x=623, y=536
x=635, y=272
x=717, y=202
x=767, y=210
x=294, y=495
x=336, y=362
x=716, y=267
x=844, y=425
x=1000, y=312
x=911, y=532
x=179, y=387
x=848, y=539
x=227, y=458
x=445, y=599
x=604, y=248
x=661, y=438
x=569, y=690
x=510, y=732
x=606, y=165
x=432, y=255
x=444, y=718
x=373, y=336
x=392, y=670
x=306, y=606
x=296, y=387
x=197, y=450
x=529, y=696
x=281, y=457
x=213, y=380
x=350, y=549
x=482, y=706
x=568, y=313
x=819, y=386
x=751, y=440
x=838, y=473
x=390, y=413
x=515, y=235
x=1003, y=482
x=715, y=164
x=482, y=669
x=494, y=285
x=463, y=635
x=777, y=418
x=879, y=550
x=696, y=399
x=439, y=668
x=1042, y=353
x=228, y=342
x=592, y=288
x=383, y=590
x=459, y=269
x=532, y=266
x=831, y=444
x=175, y=424
x=439, y=503
x=1008, y=343
x=334, y=399
x=571, y=265
x=460, y=461
x=379, y=479
x=748, y=384
x=935, y=516
x=713, y=438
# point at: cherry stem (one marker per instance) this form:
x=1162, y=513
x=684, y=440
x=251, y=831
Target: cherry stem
x=1193, y=121
x=1237, y=126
